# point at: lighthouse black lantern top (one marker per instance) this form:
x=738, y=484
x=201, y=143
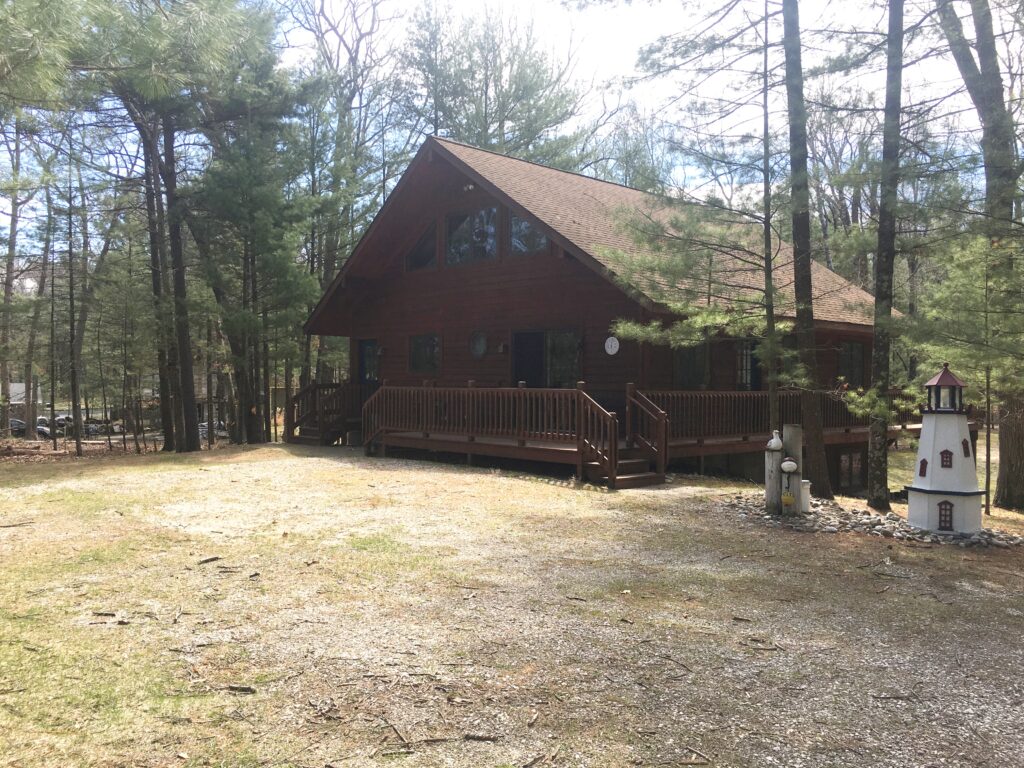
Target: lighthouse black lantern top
x=945, y=392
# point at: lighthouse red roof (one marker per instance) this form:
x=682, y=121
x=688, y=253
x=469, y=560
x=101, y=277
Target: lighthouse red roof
x=944, y=378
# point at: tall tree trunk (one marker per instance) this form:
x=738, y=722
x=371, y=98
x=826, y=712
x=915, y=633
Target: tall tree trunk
x=984, y=83
x=913, y=288
x=815, y=466
x=151, y=161
x=31, y=414
x=881, y=378
x=182, y=332
x=76, y=404
x=8, y=300
x=771, y=336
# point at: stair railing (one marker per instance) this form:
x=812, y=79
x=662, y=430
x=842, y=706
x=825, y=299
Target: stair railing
x=647, y=427
x=597, y=435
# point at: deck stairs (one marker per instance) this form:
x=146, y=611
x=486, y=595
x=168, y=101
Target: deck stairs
x=633, y=470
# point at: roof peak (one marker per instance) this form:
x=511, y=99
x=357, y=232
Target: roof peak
x=945, y=378
x=446, y=140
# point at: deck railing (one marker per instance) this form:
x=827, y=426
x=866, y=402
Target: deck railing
x=324, y=406
x=559, y=416
x=703, y=415
x=647, y=427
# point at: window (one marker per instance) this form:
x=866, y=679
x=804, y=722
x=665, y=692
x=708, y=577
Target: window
x=947, y=459
x=424, y=253
x=562, y=358
x=526, y=238
x=472, y=236
x=688, y=367
x=967, y=448
x=851, y=363
x=923, y=471
x=945, y=516
x=425, y=353
x=745, y=365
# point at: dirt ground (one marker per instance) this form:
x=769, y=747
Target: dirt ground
x=313, y=607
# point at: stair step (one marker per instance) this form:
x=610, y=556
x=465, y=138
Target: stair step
x=639, y=480
x=596, y=474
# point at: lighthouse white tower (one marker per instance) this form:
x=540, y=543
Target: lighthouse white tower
x=944, y=496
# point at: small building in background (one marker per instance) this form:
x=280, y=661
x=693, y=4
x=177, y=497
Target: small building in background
x=944, y=496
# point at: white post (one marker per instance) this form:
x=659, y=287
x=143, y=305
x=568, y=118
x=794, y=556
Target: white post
x=792, y=487
x=773, y=475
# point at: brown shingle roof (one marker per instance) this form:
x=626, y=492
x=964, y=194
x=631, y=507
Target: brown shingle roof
x=588, y=213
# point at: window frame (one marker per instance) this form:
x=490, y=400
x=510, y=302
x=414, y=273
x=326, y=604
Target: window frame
x=512, y=215
x=923, y=468
x=413, y=338
x=745, y=365
x=946, y=515
x=469, y=214
x=946, y=458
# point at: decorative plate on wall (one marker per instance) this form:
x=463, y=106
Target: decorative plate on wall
x=611, y=345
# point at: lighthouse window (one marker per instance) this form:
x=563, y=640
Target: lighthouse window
x=947, y=459
x=967, y=448
x=945, y=398
x=923, y=471
x=945, y=516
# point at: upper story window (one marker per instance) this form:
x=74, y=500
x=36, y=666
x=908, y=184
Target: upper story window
x=424, y=254
x=851, y=363
x=472, y=236
x=527, y=239
x=425, y=353
x=946, y=458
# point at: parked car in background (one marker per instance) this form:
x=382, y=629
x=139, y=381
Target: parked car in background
x=17, y=428
x=219, y=429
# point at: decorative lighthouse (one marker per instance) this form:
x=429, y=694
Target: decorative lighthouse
x=944, y=496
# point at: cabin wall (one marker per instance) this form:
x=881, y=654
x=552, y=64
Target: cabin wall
x=548, y=291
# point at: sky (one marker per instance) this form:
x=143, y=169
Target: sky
x=606, y=36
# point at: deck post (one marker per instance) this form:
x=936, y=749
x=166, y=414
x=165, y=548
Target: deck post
x=320, y=414
x=289, y=406
x=579, y=430
x=630, y=393
x=521, y=407
x=471, y=384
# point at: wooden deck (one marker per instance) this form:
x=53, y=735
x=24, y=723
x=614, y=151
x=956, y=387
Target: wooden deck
x=566, y=426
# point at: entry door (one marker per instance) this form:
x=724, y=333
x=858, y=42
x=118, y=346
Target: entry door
x=528, y=358
x=369, y=372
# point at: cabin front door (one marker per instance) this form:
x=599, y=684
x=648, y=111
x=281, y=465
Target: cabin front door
x=369, y=361
x=528, y=358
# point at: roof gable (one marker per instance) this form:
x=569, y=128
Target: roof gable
x=584, y=216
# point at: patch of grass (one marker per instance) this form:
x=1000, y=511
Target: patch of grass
x=376, y=543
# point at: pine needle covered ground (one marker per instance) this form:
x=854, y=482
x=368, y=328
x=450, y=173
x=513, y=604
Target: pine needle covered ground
x=312, y=607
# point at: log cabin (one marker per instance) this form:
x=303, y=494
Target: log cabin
x=478, y=309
